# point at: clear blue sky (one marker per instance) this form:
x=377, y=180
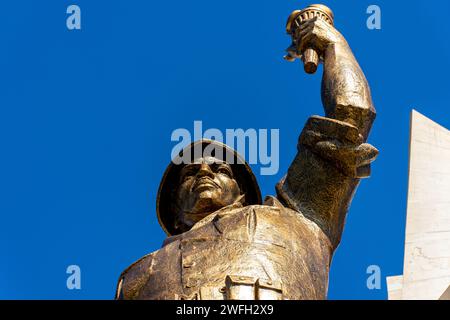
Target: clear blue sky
x=86, y=118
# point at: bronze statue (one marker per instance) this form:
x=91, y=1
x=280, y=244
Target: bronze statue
x=224, y=243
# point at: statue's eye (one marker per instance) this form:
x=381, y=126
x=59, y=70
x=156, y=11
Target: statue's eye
x=188, y=173
x=225, y=170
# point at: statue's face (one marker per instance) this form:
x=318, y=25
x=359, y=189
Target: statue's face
x=205, y=186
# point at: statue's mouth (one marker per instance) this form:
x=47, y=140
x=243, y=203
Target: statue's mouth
x=204, y=183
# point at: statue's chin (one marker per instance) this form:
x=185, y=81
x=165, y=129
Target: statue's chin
x=192, y=218
x=206, y=203
x=206, y=194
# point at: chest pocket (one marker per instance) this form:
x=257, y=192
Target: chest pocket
x=250, y=288
x=258, y=224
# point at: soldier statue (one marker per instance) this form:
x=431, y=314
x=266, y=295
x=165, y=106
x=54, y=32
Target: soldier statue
x=224, y=242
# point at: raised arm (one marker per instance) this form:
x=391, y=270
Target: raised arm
x=332, y=153
x=345, y=91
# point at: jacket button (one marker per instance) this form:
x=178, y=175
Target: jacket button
x=191, y=283
x=188, y=264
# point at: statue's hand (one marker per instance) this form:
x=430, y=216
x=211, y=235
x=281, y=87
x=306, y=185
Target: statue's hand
x=341, y=144
x=318, y=34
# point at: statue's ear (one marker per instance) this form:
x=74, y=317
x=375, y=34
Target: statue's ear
x=176, y=214
x=178, y=223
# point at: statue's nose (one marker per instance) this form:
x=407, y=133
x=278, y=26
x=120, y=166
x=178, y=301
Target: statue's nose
x=205, y=171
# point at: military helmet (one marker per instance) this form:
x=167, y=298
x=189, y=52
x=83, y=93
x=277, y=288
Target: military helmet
x=171, y=179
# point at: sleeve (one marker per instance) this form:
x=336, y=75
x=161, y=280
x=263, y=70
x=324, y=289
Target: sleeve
x=134, y=278
x=321, y=181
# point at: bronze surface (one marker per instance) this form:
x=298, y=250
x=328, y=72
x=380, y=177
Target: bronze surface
x=224, y=243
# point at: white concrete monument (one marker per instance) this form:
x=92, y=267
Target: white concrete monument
x=426, y=269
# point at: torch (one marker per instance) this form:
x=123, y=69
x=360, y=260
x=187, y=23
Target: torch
x=310, y=56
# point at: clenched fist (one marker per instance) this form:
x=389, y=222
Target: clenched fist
x=317, y=34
